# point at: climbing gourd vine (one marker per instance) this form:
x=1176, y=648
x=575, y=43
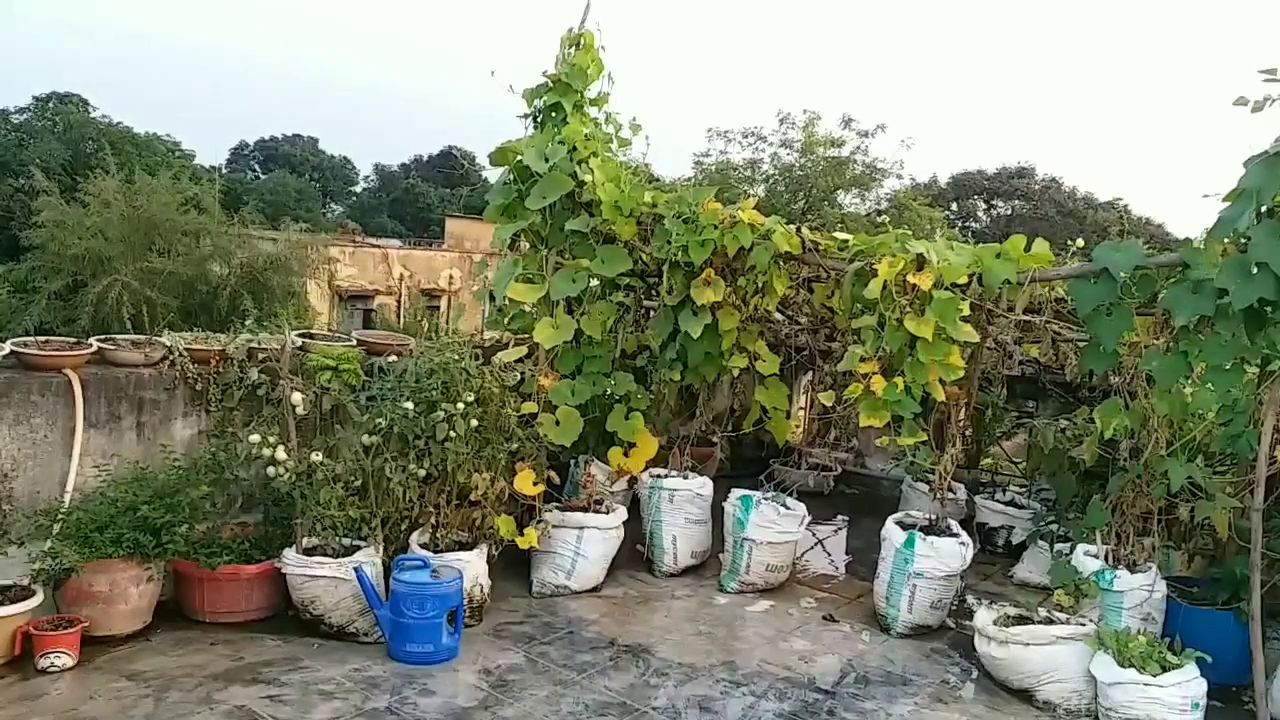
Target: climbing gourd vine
x=904, y=305
x=638, y=300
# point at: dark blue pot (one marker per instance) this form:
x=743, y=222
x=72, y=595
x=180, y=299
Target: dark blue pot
x=1220, y=633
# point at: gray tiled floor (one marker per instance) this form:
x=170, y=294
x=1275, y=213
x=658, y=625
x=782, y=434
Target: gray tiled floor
x=639, y=648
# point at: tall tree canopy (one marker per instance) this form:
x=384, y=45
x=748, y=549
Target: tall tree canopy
x=802, y=169
x=412, y=198
x=991, y=205
x=264, y=180
x=60, y=138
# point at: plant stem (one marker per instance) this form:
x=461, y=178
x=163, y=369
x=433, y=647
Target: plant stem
x=1260, y=471
x=291, y=431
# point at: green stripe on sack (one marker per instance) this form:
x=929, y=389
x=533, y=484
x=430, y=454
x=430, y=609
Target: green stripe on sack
x=654, y=549
x=738, y=556
x=904, y=561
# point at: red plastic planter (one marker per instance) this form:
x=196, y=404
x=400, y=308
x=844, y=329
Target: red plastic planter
x=230, y=594
x=52, y=650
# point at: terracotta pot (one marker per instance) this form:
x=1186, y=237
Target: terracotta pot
x=55, y=642
x=230, y=594
x=118, y=597
x=119, y=356
x=321, y=340
x=13, y=617
x=382, y=343
x=33, y=358
x=704, y=459
x=203, y=355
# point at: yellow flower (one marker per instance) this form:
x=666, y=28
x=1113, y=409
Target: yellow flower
x=878, y=384
x=526, y=483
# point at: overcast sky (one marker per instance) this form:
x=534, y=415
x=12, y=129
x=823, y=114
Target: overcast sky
x=1129, y=99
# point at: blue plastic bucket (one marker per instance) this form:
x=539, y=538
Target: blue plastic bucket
x=1220, y=633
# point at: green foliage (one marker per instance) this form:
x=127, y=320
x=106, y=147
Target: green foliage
x=299, y=157
x=141, y=254
x=140, y=513
x=593, y=246
x=1257, y=105
x=1225, y=585
x=412, y=198
x=801, y=169
x=990, y=205
x=59, y=139
x=1143, y=652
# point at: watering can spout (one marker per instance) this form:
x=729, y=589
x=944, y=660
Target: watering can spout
x=371, y=596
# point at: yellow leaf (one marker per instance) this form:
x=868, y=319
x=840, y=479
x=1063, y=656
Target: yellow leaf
x=934, y=388
x=887, y=268
x=922, y=279
x=873, y=418
x=906, y=440
x=866, y=367
x=526, y=483
x=528, y=539
x=921, y=327
x=748, y=203
x=712, y=205
x=528, y=407
x=878, y=384
x=854, y=390
x=751, y=216
x=827, y=397
x=634, y=462
x=897, y=380
x=506, y=526
x=548, y=378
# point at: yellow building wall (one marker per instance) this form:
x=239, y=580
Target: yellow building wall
x=393, y=275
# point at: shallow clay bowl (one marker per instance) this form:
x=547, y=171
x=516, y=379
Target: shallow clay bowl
x=382, y=342
x=110, y=350
x=51, y=359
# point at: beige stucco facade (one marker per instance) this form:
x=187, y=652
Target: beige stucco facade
x=359, y=274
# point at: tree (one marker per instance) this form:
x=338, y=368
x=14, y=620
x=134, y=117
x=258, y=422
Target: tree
x=334, y=177
x=145, y=253
x=282, y=198
x=800, y=169
x=991, y=205
x=60, y=138
x=412, y=198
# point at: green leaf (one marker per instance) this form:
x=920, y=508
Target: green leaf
x=505, y=154
x=625, y=426
x=1166, y=368
x=502, y=234
x=512, y=354
x=766, y=362
x=549, y=188
x=527, y=293
x=597, y=318
x=996, y=268
x=1089, y=294
x=1111, y=417
x=1247, y=282
x=662, y=323
x=622, y=383
x=568, y=282
x=1096, y=514
x=611, y=261
x=508, y=268
x=692, y=320
x=779, y=427
x=827, y=397
x=707, y=288
x=1264, y=243
x=727, y=318
x=852, y=356
x=552, y=331
x=528, y=407
x=1187, y=300
x=921, y=327
x=561, y=393
x=773, y=393
x=563, y=428
x=1119, y=257
x=1096, y=360
x=1109, y=327
x=701, y=248
x=582, y=223
x=1040, y=256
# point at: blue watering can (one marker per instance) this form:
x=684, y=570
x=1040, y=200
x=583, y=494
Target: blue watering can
x=422, y=617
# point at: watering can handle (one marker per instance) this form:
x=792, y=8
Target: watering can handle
x=407, y=560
